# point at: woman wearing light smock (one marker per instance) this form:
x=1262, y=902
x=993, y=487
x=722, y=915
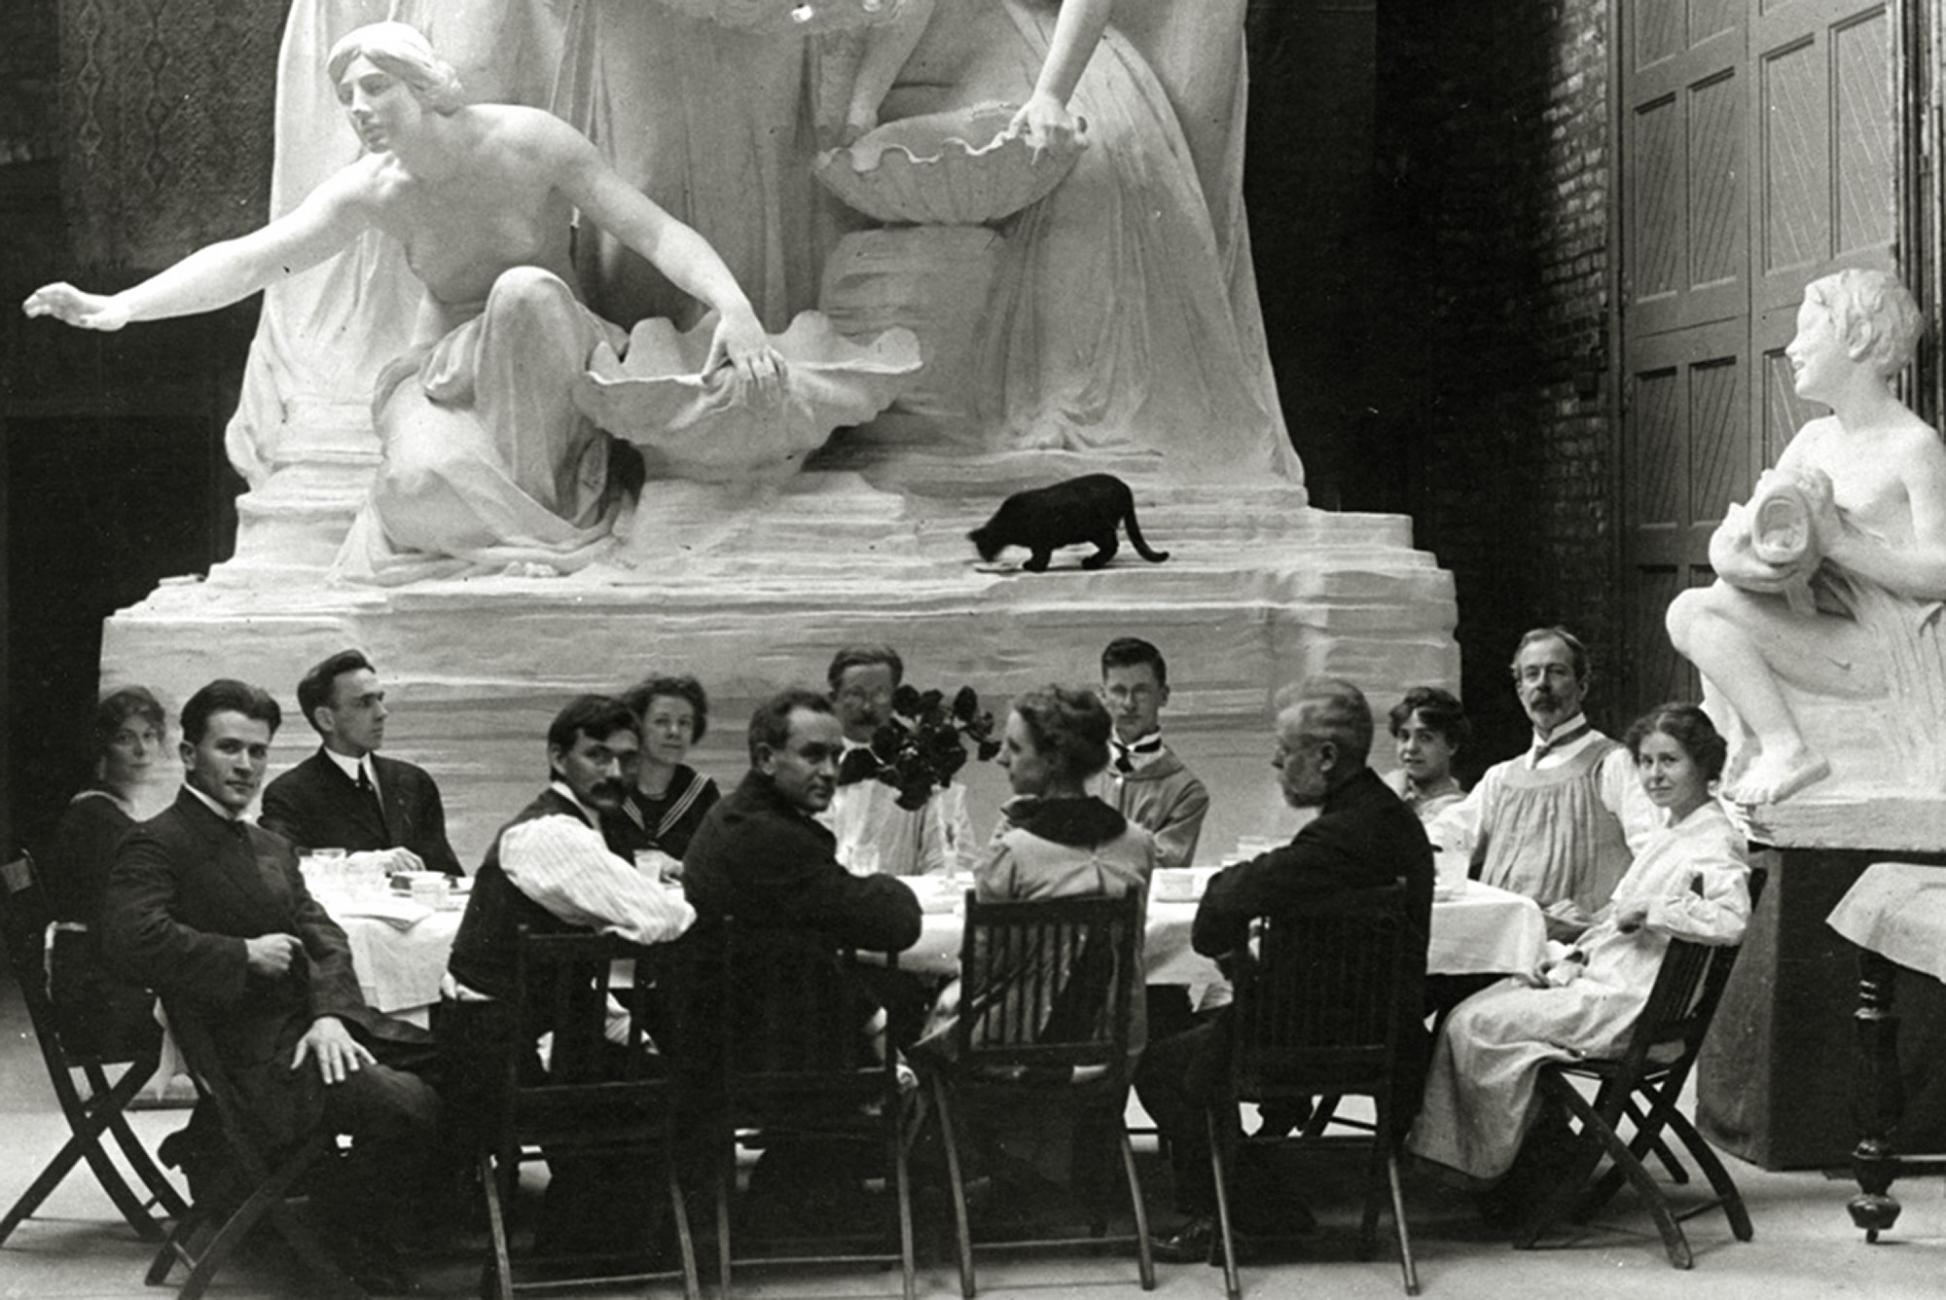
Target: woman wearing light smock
x=1690, y=882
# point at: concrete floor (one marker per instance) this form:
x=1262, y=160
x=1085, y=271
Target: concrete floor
x=1805, y=1247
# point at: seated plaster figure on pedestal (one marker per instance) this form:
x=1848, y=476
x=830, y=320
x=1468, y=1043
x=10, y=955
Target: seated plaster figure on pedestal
x=1829, y=581
x=1121, y=316
x=488, y=463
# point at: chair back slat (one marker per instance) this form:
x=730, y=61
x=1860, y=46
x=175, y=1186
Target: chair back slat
x=1319, y=1010
x=592, y=1084
x=24, y=915
x=792, y=1016
x=1048, y=981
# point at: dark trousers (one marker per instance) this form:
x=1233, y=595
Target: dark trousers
x=392, y=1118
x=1176, y=1081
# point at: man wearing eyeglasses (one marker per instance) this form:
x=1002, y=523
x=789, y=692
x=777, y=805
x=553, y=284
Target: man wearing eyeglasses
x=1561, y=822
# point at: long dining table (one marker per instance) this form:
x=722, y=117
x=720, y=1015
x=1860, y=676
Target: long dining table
x=400, y=950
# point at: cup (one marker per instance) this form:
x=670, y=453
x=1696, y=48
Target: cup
x=863, y=860
x=323, y=869
x=429, y=888
x=1449, y=870
x=657, y=865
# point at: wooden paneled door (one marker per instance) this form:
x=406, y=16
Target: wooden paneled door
x=1760, y=146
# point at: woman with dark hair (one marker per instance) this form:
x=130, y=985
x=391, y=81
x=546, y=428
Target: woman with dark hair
x=99, y=1012
x=669, y=799
x=1429, y=727
x=1689, y=882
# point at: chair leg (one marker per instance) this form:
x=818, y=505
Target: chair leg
x=962, y=1235
x=134, y=1078
x=1323, y=1110
x=234, y=1229
x=896, y=1111
x=692, y=1288
x=176, y=1248
x=1720, y=1181
x=87, y=1120
x=1557, y=1202
x=1144, y=1257
x=164, y=1191
x=1398, y=1225
x=1650, y=1140
x=1232, y=1284
x=1673, y=1241
x=502, y=1262
x=725, y=1176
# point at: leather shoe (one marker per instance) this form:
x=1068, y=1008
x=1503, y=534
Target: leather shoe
x=1196, y=1242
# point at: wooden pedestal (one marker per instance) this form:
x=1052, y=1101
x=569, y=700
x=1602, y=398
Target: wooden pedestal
x=1774, y=1084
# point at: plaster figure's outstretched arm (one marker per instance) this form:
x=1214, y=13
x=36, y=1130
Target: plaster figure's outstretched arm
x=219, y=274
x=674, y=249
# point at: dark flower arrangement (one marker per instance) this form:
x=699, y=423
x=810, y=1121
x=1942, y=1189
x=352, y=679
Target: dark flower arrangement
x=924, y=744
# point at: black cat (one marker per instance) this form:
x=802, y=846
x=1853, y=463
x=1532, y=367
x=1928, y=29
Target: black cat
x=1085, y=509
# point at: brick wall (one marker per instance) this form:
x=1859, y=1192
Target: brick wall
x=1493, y=185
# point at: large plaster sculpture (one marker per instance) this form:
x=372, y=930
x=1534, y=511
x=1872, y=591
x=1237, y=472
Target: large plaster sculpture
x=1829, y=581
x=488, y=460
x=1117, y=328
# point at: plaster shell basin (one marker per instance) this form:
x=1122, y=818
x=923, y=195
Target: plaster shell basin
x=950, y=168
x=712, y=429
x=795, y=17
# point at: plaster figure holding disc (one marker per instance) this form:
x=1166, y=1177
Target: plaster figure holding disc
x=1122, y=317
x=1829, y=581
x=487, y=461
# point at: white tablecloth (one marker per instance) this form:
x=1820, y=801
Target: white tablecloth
x=399, y=969
x=1898, y=910
x=1481, y=931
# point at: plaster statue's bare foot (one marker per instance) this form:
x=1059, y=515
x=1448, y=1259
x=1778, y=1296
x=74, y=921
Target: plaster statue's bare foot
x=1741, y=758
x=1776, y=777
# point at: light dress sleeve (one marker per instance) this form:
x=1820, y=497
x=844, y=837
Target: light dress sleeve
x=1712, y=904
x=563, y=864
x=1622, y=794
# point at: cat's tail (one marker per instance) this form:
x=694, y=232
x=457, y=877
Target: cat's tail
x=1135, y=539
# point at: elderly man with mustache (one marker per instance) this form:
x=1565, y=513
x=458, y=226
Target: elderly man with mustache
x=1562, y=822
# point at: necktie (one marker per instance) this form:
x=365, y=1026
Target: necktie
x=370, y=791
x=1125, y=753
x=1559, y=741
x=857, y=765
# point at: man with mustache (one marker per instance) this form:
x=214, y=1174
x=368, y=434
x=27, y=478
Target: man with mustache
x=1562, y=822
x=553, y=870
x=211, y=912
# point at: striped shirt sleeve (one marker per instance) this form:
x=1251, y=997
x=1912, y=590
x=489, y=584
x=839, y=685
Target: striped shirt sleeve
x=563, y=864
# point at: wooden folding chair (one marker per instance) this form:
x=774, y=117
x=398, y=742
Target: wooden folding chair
x=1643, y=1084
x=1323, y=1011
x=24, y=917
x=207, y=1236
x=1048, y=991
x=593, y=1098
x=796, y=1066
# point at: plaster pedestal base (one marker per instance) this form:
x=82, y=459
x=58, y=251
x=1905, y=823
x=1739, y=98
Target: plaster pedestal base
x=755, y=593
x=1774, y=1082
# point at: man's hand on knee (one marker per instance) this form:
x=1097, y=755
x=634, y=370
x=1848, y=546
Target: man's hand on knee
x=338, y=1054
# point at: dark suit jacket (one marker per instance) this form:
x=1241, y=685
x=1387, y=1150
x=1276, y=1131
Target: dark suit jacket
x=760, y=860
x=314, y=805
x=188, y=888
x=1364, y=837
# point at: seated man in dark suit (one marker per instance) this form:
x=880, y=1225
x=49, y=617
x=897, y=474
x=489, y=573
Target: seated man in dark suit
x=346, y=795
x=1364, y=837
x=211, y=911
x=762, y=857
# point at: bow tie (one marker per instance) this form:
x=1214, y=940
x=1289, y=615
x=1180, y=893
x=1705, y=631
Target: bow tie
x=1125, y=753
x=857, y=765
